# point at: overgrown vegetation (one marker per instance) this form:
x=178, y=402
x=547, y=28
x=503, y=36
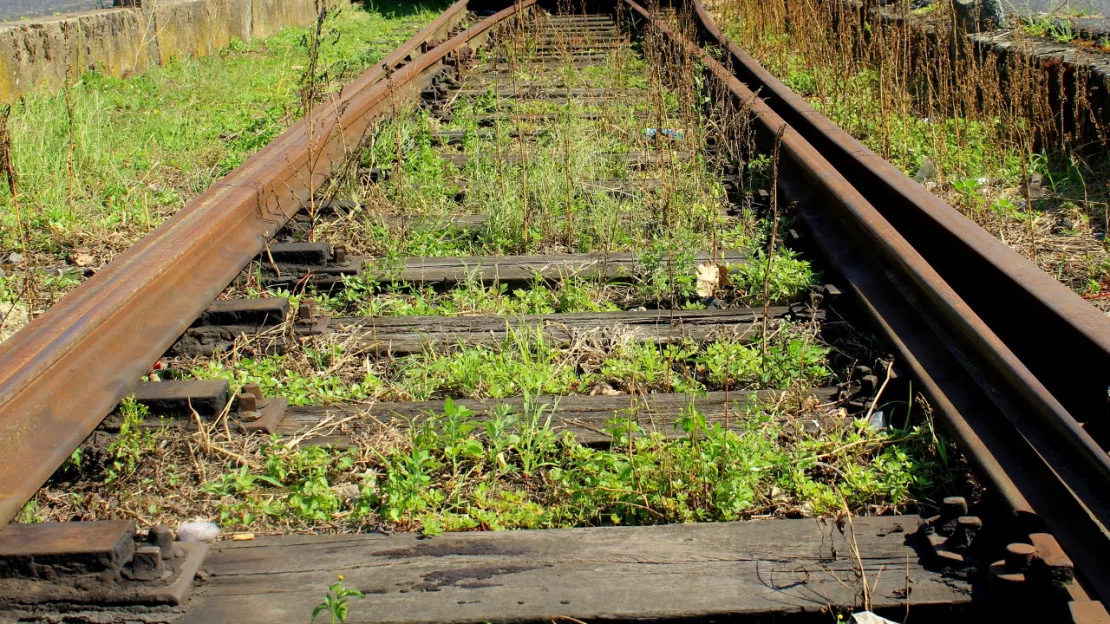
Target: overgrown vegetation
x=368, y=298
x=513, y=470
x=985, y=134
x=558, y=175
x=789, y=280
x=629, y=174
x=124, y=154
x=528, y=363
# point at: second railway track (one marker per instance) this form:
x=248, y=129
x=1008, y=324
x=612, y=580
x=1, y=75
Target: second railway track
x=585, y=225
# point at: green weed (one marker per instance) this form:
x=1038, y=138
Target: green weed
x=526, y=363
x=144, y=145
x=131, y=444
x=336, y=602
x=513, y=471
x=1050, y=26
x=368, y=298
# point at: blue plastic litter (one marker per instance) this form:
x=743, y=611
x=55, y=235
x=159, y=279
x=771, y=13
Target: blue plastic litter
x=667, y=132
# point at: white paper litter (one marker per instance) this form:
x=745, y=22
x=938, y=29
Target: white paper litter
x=867, y=617
x=198, y=532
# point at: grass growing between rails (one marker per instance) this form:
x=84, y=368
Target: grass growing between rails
x=549, y=174
x=565, y=297
x=983, y=134
x=569, y=189
x=592, y=176
x=514, y=470
x=590, y=179
x=145, y=145
x=677, y=287
x=544, y=175
x=526, y=363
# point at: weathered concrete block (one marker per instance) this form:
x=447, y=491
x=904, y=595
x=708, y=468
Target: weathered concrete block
x=227, y=19
x=33, y=54
x=182, y=29
x=190, y=28
x=114, y=43
x=240, y=19
x=980, y=15
x=123, y=41
x=270, y=16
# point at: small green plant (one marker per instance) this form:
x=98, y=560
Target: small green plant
x=731, y=364
x=133, y=441
x=1050, y=26
x=790, y=277
x=644, y=367
x=74, y=461
x=536, y=440
x=970, y=196
x=336, y=602
x=29, y=514
x=277, y=376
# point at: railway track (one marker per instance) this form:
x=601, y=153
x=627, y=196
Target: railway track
x=463, y=145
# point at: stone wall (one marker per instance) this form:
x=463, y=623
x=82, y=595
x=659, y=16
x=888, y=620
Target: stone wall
x=126, y=40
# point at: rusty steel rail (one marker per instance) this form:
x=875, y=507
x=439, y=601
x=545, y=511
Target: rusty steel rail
x=957, y=306
x=938, y=288
x=1068, y=329
x=64, y=372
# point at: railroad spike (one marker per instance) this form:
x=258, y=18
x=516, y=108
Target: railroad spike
x=253, y=389
x=248, y=407
x=1019, y=556
x=146, y=565
x=953, y=507
x=161, y=536
x=1005, y=583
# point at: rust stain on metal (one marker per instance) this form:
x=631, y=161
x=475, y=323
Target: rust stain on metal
x=102, y=337
x=962, y=274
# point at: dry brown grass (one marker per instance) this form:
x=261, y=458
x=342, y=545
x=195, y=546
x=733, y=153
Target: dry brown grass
x=915, y=88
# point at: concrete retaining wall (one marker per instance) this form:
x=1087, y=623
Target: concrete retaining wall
x=123, y=41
